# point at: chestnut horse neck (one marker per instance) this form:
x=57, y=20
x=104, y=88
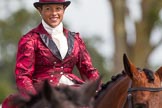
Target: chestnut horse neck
x=114, y=93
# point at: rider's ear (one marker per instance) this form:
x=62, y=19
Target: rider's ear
x=47, y=90
x=159, y=72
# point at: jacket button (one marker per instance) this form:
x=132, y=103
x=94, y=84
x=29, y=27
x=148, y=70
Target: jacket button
x=54, y=62
x=52, y=75
x=62, y=67
x=51, y=80
x=61, y=73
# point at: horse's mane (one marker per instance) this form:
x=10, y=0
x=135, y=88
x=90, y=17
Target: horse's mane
x=109, y=83
x=149, y=74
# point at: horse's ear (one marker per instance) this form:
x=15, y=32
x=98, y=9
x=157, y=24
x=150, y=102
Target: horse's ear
x=51, y=94
x=130, y=68
x=88, y=90
x=47, y=90
x=159, y=72
x=127, y=65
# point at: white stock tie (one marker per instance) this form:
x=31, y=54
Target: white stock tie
x=61, y=42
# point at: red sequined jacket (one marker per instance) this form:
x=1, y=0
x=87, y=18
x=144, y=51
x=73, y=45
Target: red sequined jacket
x=38, y=59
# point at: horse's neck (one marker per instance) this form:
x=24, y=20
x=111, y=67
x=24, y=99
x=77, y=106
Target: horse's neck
x=115, y=94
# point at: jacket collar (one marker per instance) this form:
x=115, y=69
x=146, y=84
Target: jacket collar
x=47, y=40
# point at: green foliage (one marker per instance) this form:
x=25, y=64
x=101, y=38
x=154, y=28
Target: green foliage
x=6, y=88
x=98, y=60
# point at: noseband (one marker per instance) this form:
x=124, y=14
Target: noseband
x=130, y=90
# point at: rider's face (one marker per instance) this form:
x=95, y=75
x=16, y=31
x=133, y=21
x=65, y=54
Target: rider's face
x=52, y=14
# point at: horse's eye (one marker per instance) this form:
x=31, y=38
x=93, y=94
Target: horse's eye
x=140, y=105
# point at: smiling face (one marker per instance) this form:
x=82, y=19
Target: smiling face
x=52, y=14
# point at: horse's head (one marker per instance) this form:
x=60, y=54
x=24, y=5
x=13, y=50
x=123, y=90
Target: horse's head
x=62, y=96
x=145, y=87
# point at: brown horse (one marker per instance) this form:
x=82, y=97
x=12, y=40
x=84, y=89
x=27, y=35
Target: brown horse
x=134, y=88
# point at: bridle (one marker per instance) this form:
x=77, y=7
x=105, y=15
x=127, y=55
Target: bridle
x=130, y=90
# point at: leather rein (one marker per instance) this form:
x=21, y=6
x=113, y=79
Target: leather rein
x=130, y=90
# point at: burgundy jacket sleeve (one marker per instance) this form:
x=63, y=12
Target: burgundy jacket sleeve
x=25, y=64
x=84, y=64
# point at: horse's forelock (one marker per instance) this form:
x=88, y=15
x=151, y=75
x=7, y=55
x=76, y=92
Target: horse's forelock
x=149, y=75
